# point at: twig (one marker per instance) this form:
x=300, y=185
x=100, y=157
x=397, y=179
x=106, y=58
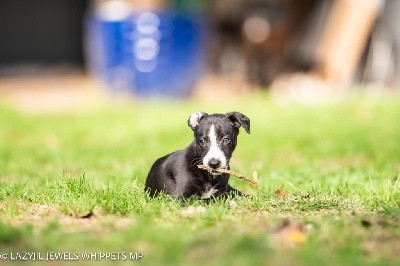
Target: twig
x=226, y=171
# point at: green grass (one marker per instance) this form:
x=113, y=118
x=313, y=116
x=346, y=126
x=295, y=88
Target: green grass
x=338, y=164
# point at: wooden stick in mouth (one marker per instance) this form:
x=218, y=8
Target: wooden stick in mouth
x=226, y=171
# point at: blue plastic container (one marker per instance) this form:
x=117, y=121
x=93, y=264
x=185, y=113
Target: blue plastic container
x=150, y=54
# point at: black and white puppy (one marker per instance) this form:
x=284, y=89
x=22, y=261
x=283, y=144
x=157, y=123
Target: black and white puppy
x=176, y=174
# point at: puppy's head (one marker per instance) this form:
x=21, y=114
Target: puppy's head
x=216, y=136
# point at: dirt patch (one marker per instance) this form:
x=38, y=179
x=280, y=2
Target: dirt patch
x=76, y=92
x=213, y=88
x=41, y=215
x=51, y=94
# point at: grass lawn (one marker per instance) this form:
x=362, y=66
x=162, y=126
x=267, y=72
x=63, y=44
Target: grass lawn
x=329, y=190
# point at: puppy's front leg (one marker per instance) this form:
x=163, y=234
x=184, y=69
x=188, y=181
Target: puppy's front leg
x=227, y=192
x=233, y=192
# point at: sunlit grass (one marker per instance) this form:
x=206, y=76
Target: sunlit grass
x=337, y=164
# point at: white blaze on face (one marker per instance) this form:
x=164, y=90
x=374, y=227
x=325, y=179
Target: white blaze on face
x=214, y=152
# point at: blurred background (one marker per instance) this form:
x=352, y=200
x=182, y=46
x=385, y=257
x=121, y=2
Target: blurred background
x=61, y=54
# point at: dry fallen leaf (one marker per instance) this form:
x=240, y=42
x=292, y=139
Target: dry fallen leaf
x=280, y=193
x=366, y=223
x=74, y=214
x=88, y=215
x=306, y=196
x=288, y=234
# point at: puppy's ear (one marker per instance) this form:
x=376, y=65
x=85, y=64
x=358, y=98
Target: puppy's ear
x=194, y=119
x=239, y=119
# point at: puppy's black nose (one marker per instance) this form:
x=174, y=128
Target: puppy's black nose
x=214, y=163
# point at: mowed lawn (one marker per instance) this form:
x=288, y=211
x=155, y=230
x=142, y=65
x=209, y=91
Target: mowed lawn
x=329, y=190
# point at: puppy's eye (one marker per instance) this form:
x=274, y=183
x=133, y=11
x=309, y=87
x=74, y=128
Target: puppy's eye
x=226, y=140
x=202, y=142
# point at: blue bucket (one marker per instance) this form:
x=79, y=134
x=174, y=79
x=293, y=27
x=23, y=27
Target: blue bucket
x=149, y=54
